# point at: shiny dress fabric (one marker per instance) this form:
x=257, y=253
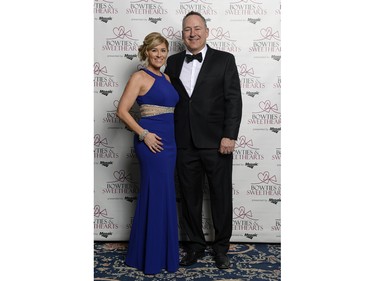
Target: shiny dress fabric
x=153, y=243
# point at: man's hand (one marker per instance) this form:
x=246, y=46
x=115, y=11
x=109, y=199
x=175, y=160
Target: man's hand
x=226, y=146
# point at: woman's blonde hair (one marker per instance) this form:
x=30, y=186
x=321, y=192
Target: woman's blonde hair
x=151, y=40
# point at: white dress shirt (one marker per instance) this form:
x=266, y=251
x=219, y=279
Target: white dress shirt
x=190, y=71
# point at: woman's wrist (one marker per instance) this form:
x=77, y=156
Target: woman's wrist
x=143, y=135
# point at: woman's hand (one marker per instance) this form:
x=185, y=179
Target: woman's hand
x=153, y=142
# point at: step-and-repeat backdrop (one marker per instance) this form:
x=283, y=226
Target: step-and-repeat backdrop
x=250, y=30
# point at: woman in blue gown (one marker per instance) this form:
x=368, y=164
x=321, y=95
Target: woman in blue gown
x=153, y=243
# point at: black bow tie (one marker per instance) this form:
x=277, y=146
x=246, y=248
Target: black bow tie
x=197, y=57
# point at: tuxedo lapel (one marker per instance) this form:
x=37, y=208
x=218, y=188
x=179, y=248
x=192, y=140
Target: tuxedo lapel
x=180, y=62
x=176, y=72
x=204, y=69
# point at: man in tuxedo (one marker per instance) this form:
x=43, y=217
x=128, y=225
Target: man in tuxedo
x=207, y=121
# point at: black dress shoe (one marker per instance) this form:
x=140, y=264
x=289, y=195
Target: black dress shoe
x=191, y=257
x=222, y=261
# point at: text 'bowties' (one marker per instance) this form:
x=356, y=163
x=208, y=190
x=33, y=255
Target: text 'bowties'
x=190, y=58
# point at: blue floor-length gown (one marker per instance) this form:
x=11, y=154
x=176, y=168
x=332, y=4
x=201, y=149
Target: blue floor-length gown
x=153, y=243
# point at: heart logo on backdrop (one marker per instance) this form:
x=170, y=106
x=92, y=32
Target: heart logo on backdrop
x=242, y=142
x=243, y=71
x=267, y=34
x=265, y=178
x=98, y=70
x=241, y=213
x=100, y=213
x=120, y=33
x=218, y=33
x=101, y=142
x=266, y=106
x=119, y=175
x=170, y=34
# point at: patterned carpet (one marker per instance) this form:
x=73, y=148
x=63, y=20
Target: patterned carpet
x=248, y=262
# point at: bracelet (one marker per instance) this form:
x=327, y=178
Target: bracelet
x=143, y=135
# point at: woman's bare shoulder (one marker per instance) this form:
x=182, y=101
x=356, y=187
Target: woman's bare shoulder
x=137, y=75
x=167, y=77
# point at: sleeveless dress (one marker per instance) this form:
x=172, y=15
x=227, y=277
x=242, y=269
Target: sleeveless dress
x=153, y=244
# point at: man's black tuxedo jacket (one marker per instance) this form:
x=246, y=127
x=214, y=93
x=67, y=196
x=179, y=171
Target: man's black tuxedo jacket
x=215, y=107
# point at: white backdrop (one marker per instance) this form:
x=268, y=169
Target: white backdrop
x=249, y=29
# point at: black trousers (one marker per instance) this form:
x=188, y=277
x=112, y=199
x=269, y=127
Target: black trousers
x=192, y=166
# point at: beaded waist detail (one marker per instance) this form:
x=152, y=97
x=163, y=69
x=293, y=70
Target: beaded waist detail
x=152, y=110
